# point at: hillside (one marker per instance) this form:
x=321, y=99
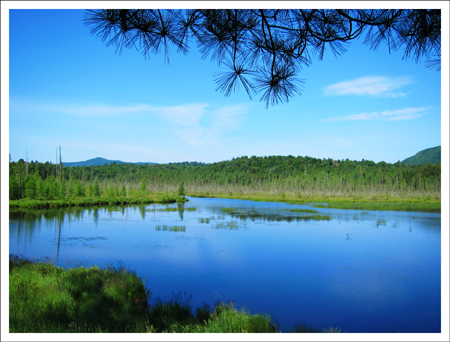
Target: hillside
x=428, y=156
x=97, y=161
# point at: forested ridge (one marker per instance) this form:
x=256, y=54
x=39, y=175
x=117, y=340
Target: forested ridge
x=427, y=156
x=300, y=176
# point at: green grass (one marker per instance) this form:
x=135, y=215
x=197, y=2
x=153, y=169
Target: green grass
x=363, y=202
x=44, y=298
x=424, y=207
x=304, y=211
x=314, y=217
x=87, y=201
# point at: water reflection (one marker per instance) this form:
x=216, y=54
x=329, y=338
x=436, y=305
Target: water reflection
x=180, y=207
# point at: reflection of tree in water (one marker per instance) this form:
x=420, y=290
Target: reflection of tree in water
x=142, y=211
x=180, y=207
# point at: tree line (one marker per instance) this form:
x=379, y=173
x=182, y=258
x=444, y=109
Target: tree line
x=270, y=174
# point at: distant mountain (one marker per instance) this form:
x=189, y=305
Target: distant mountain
x=428, y=156
x=98, y=161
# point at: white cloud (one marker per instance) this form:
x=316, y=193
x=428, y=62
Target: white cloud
x=387, y=115
x=188, y=115
x=193, y=123
x=369, y=85
x=214, y=132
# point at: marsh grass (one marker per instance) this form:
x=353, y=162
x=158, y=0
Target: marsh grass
x=425, y=207
x=358, y=202
x=162, y=210
x=232, y=225
x=87, y=202
x=381, y=222
x=44, y=298
x=304, y=211
x=166, y=228
x=314, y=217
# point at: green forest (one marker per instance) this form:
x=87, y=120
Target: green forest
x=279, y=176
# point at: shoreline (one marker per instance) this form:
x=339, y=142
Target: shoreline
x=418, y=204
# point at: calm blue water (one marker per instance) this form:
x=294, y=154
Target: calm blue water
x=361, y=271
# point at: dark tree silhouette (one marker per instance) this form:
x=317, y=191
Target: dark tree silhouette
x=264, y=50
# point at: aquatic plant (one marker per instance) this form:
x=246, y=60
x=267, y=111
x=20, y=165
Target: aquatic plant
x=227, y=225
x=315, y=217
x=166, y=228
x=381, y=222
x=304, y=211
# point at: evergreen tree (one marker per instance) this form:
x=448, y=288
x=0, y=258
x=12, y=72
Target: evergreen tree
x=110, y=191
x=31, y=190
x=181, y=191
x=143, y=187
x=89, y=189
x=70, y=188
x=264, y=50
x=96, y=189
x=123, y=191
x=79, y=189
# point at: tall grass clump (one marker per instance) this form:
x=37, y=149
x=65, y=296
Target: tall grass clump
x=226, y=318
x=46, y=298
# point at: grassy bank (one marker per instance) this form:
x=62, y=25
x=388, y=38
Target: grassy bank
x=46, y=298
x=357, y=202
x=87, y=201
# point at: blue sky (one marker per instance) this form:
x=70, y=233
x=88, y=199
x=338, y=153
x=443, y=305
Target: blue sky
x=66, y=88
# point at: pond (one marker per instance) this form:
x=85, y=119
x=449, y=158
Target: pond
x=360, y=271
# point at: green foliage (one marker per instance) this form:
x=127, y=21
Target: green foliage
x=70, y=188
x=45, y=298
x=123, y=191
x=289, y=176
x=304, y=211
x=143, y=187
x=31, y=186
x=96, y=189
x=181, y=191
x=79, y=189
x=426, y=207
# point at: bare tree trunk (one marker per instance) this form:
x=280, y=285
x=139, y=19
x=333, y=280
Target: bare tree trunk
x=60, y=167
x=20, y=181
x=56, y=166
x=26, y=164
